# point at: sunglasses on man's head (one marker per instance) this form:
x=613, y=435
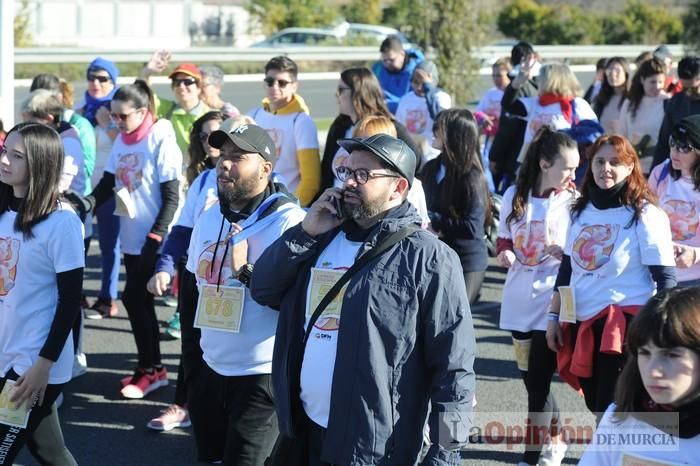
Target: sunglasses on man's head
x=280, y=82
x=185, y=81
x=681, y=146
x=99, y=77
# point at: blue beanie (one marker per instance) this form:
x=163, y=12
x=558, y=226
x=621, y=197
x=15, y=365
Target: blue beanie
x=100, y=63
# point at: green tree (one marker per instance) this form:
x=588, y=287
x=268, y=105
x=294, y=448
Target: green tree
x=568, y=24
x=449, y=30
x=274, y=15
x=691, y=23
x=523, y=19
x=651, y=24
x=23, y=38
x=363, y=11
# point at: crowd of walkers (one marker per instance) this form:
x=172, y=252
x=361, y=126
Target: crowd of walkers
x=269, y=240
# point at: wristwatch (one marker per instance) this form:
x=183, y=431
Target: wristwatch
x=245, y=273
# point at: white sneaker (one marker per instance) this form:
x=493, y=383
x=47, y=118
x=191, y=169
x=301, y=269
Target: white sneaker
x=79, y=365
x=552, y=454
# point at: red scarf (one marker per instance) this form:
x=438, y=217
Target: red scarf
x=141, y=132
x=563, y=101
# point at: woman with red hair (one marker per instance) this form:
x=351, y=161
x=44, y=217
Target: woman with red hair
x=618, y=253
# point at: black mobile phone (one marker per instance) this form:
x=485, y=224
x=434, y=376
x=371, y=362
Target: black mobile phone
x=339, y=207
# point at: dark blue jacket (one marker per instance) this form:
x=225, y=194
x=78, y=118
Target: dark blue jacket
x=406, y=342
x=395, y=85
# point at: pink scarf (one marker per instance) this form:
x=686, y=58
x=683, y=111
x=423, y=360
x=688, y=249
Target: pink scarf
x=141, y=132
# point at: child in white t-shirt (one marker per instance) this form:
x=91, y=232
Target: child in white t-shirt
x=41, y=270
x=418, y=109
x=657, y=402
x=531, y=234
x=488, y=111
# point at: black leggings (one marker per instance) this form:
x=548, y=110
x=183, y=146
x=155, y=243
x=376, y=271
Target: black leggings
x=473, y=281
x=12, y=439
x=543, y=412
x=191, y=357
x=141, y=310
x=599, y=389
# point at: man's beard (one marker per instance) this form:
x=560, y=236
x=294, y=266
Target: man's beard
x=365, y=209
x=239, y=193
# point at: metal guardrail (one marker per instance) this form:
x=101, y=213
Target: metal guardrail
x=486, y=54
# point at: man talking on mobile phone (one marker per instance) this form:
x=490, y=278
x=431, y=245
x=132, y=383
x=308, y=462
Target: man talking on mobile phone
x=357, y=368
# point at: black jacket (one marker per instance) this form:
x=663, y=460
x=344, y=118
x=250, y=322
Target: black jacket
x=406, y=341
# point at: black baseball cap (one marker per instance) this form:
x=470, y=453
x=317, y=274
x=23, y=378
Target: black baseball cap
x=392, y=151
x=251, y=138
x=688, y=130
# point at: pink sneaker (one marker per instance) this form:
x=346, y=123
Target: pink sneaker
x=144, y=383
x=171, y=417
x=162, y=375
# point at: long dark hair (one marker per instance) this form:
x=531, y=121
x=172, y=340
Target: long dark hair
x=365, y=93
x=139, y=94
x=44, y=153
x=459, y=133
x=547, y=145
x=198, y=156
x=669, y=319
x=651, y=67
x=695, y=169
x=637, y=193
x=607, y=91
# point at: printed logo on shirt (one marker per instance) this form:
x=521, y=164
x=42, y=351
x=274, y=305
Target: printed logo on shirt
x=540, y=120
x=529, y=245
x=130, y=171
x=208, y=266
x=277, y=137
x=9, y=255
x=683, y=217
x=416, y=121
x=594, y=245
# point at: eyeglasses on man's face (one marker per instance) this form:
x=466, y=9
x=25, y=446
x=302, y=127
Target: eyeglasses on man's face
x=361, y=175
x=186, y=81
x=100, y=78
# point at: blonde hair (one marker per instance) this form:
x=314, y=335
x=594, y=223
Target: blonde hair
x=558, y=79
x=374, y=124
x=503, y=63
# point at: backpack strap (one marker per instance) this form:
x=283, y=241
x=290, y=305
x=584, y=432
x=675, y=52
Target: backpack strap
x=203, y=180
x=665, y=170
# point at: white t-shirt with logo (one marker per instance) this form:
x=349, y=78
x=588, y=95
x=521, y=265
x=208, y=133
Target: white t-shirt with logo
x=550, y=115
x=141, y=168
x=681, y=202
x=634, y=442
x=250, y=350
x=319, y=358
x=530, y=280
x=412, y=112
x=29, y=291
x=609, y=259
x=291, y=132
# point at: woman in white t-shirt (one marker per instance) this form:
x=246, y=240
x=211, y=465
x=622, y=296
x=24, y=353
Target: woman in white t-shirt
x=556, y=104
x=658, y=394
x=618, y=253
x=41, y=270
x=144, y=173
x=531, y=235
x=677, y=184
x=643, y=111
x=613, y=93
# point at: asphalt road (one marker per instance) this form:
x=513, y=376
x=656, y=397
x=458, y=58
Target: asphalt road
x=318, y=94
x=103, y=429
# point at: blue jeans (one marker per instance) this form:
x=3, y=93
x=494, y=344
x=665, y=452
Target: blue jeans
x=108, y=236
